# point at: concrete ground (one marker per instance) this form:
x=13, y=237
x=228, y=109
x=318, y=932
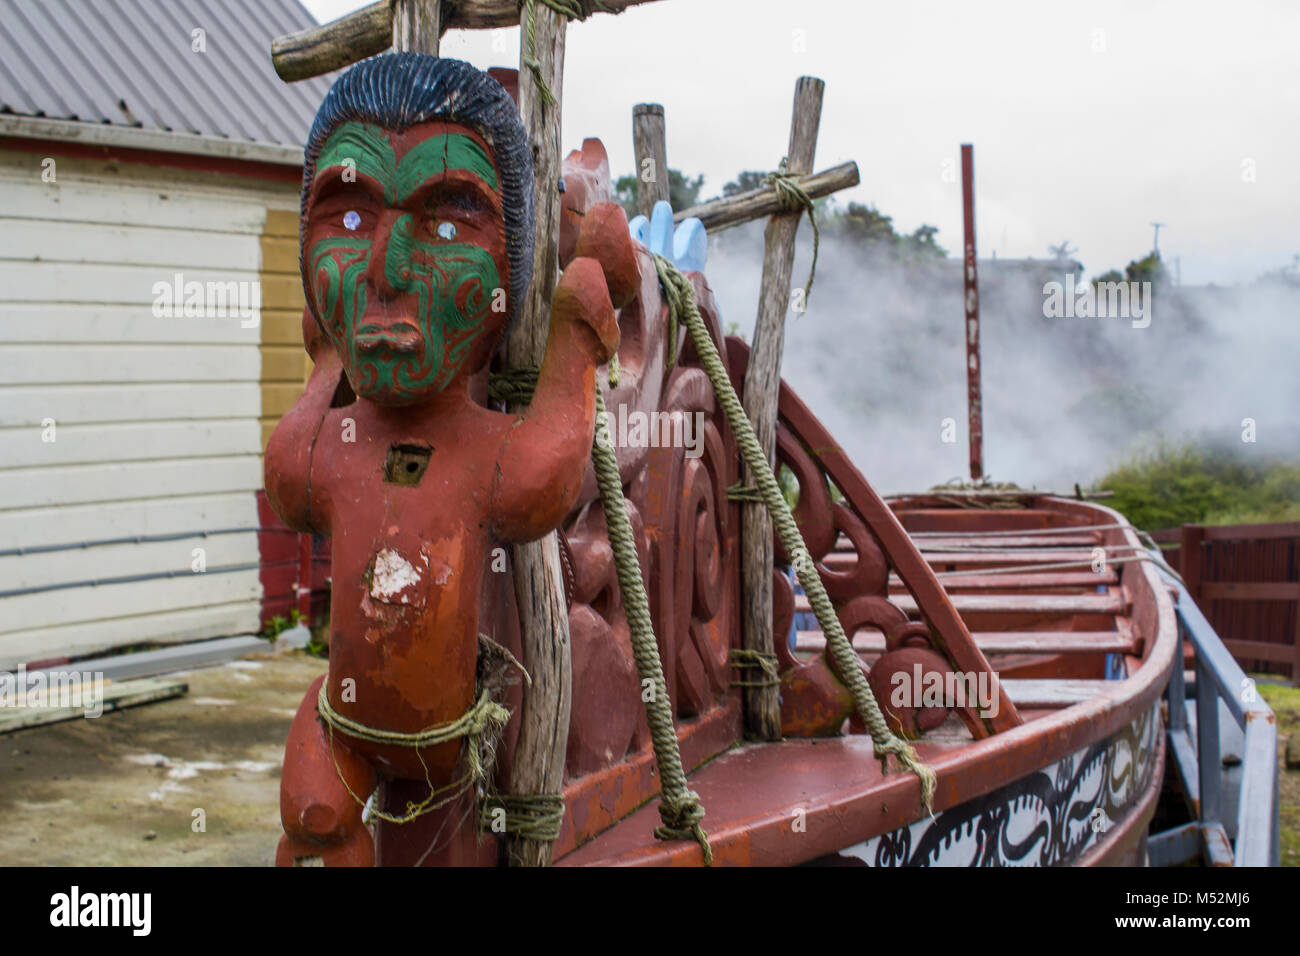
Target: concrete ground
x=122, y=789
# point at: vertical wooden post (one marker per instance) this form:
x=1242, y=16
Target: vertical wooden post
x=539, y=583
x=650, y=143
x=417, y=25
x=974, y=405
x=762, y=390
x=1192, y=559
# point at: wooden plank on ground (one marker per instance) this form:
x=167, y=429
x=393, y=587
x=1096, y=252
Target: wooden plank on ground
x=131, y=693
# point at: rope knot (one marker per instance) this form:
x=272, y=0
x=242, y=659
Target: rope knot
x=682, y=814
x=747, y=657
x=792, y=198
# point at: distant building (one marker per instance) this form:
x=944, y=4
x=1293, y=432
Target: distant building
x=145, y=146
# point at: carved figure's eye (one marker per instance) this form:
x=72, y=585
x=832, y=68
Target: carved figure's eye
x=351, y=219
x=446, y=230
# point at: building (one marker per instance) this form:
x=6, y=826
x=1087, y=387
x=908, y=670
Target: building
x=150, y=164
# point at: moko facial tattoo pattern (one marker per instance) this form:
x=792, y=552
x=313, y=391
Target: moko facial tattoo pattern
x=417, y=212
x=449, y=284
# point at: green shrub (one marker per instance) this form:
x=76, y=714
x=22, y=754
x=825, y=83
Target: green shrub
x=1174, y=485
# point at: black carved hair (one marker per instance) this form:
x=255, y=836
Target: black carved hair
x=399, y=90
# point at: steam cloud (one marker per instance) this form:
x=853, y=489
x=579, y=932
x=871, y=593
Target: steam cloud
x=878, y=356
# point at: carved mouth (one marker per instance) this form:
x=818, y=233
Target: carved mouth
x=402, y=336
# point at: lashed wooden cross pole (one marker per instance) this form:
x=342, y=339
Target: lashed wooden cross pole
x=368, y=31
x=649, y=141
x=538, y=766
x=766, y=201
x=762, y=384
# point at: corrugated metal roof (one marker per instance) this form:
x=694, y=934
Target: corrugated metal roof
x=131, y=63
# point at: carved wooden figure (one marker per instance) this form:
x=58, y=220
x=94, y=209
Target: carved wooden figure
x=417, y=221
x=417, y=231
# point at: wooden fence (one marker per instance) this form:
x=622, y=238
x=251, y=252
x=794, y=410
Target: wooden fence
x=1246, y=580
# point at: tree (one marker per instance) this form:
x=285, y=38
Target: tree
x=683, y=191
x=867, y=227
x=1149, y=269
x=748, y=180
x=864, y=225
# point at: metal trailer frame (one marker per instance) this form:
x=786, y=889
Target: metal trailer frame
x=1218, y=678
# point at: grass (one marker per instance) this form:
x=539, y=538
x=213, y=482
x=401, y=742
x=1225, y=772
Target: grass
x=1285, y=702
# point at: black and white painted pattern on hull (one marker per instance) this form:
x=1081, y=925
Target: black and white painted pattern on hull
x=1049, y=818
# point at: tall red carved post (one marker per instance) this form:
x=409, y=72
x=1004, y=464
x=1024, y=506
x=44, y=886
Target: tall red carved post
x=970, y=280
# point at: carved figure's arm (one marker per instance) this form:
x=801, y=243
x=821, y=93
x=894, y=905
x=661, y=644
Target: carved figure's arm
x=544, y=454
x=288, y=453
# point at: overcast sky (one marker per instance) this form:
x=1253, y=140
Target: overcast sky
x=1089, y=121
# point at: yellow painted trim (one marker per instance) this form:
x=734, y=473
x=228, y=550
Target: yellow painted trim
x=285, y=364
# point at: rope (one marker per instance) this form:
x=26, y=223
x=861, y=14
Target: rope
x=681, y=299
x=941, y=548
x=743, y=492
x=1016, y=532
x=1027, y=568
x=515, y=386
x=480, y=726
x=745, y=657
x=570, y=10
x=533, y=816
x=679, y=808
x=792, y=198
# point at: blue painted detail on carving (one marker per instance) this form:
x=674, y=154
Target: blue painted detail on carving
x=661, y=230
x=690, y=246
x=640, y=229
x=686, y=246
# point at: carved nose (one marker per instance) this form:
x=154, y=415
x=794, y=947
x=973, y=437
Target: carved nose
x=390, y=262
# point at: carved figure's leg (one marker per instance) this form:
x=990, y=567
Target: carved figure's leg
x=322, y=821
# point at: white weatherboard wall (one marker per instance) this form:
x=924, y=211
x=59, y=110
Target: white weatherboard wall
x=156, y=419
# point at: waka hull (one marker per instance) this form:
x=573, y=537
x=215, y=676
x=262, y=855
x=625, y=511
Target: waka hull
x=1075, y=783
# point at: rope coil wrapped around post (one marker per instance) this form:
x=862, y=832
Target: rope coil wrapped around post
x=481, y=725
x=570, y=9
x=793, y=198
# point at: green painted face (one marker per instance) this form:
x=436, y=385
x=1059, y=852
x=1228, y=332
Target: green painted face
x=405, y=252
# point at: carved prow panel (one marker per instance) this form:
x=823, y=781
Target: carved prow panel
x=815, y=703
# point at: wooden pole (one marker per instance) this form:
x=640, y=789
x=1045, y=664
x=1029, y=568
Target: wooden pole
x=416, y=25
x=974, y=404
x=650, y=143
x=539, y=583
x=762, y=389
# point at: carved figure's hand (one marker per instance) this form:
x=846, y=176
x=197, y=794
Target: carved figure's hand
x=582, y=297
